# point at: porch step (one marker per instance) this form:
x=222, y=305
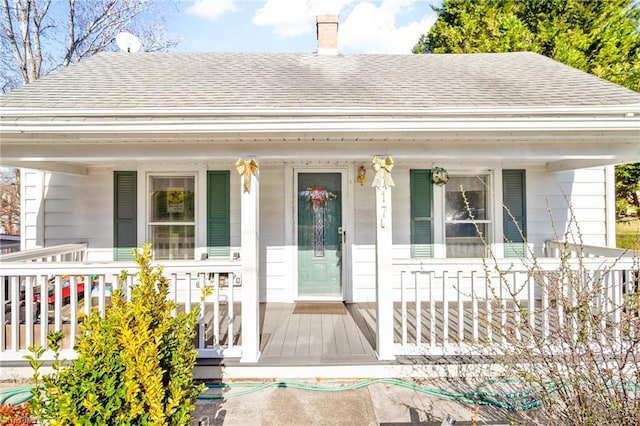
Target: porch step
x=274, y=368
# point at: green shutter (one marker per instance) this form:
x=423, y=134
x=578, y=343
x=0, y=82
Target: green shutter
x=421, y=219
x=218, y=215
x=514, y=224
x=125, y=224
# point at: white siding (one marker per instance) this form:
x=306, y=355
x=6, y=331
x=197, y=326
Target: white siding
x=363, y=246
x=31, y=191
x=274, y=285
x=73, y=210
x=569, y=203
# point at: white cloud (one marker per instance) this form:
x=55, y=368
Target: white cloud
x=372, y=29
x=366, y=27
x=295, y=18
x=211, y=9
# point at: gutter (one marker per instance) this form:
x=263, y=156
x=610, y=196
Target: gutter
x=324, y=125
x=630, y=111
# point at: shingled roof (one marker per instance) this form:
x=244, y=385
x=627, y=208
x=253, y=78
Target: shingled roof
x=308, y=80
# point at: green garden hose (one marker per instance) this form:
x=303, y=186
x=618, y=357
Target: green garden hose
x=15, y=396
x=512, y=401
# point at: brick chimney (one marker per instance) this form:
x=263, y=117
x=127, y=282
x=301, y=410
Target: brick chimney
x=327, y=31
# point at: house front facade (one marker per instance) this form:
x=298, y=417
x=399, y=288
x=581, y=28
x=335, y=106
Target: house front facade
x=314, y=171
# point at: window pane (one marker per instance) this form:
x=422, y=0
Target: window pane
x=475, y=192
x=172, y=199
x=463, y=239
x=173, y=241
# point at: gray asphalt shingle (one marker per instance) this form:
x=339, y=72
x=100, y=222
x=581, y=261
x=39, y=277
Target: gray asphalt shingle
x=308, y=80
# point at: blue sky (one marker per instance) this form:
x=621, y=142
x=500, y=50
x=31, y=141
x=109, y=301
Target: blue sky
x=373, y=26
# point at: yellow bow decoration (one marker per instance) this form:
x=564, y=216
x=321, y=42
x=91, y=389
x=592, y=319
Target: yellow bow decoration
x=382, y=169
x=246, y=169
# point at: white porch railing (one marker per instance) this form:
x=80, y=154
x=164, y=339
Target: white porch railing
x=553, y=248
x=62, y=253
x=40, y=297
x=457, y=306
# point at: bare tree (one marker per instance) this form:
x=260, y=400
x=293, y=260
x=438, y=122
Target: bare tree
x=39, y=36
x=10, y=201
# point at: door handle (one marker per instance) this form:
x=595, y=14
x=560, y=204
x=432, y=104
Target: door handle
x=342, y=233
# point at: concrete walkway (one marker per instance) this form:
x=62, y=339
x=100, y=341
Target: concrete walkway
x=376, y=404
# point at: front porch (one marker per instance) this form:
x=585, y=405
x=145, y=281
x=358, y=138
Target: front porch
x=440, y=307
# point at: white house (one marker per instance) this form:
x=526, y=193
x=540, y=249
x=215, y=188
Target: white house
x=277, y=166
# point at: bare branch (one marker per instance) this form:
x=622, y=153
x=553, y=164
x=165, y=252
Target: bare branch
x=71, y=32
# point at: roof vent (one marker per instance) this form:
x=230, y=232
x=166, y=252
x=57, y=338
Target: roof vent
x=327, y=31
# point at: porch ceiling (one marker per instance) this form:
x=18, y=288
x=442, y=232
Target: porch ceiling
x=75, y=155
x=557, y=140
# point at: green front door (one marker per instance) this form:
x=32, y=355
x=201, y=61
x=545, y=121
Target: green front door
x=320, y=234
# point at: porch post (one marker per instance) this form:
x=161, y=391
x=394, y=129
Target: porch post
x=384, y=292
x=249, y=239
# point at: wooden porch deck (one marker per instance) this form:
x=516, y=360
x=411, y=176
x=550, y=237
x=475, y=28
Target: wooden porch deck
x=314, y=338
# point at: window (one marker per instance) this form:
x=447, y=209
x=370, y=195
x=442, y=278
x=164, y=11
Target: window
x=172, y=217
x=467, y=220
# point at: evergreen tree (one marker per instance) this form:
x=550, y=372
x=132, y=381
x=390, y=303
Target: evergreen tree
x=601, y=37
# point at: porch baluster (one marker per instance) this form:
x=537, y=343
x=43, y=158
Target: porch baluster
x=432, y=310
x=530, y=283
x=516, y=306
x=173, y=293
x=57, y=304
x=460, y=309
x=403, y=308
x=617, y=305
x=216, y=310
x=503, y=309
x=418, y=309
x=545, y=307
x=445, y=311
x=474, y=307
x=489, y=308
x=202, y=284
x=28, y=309
x=101, y=296
x=15, y=313
x=230, y=310
x=187, y=292
x=73, y=305
x=44, y=310
x=603, y=304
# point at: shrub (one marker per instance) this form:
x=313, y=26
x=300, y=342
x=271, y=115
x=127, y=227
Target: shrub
x=580, y=358
x=134, y=366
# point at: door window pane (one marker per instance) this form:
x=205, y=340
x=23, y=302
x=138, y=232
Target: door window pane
x=466, y=216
